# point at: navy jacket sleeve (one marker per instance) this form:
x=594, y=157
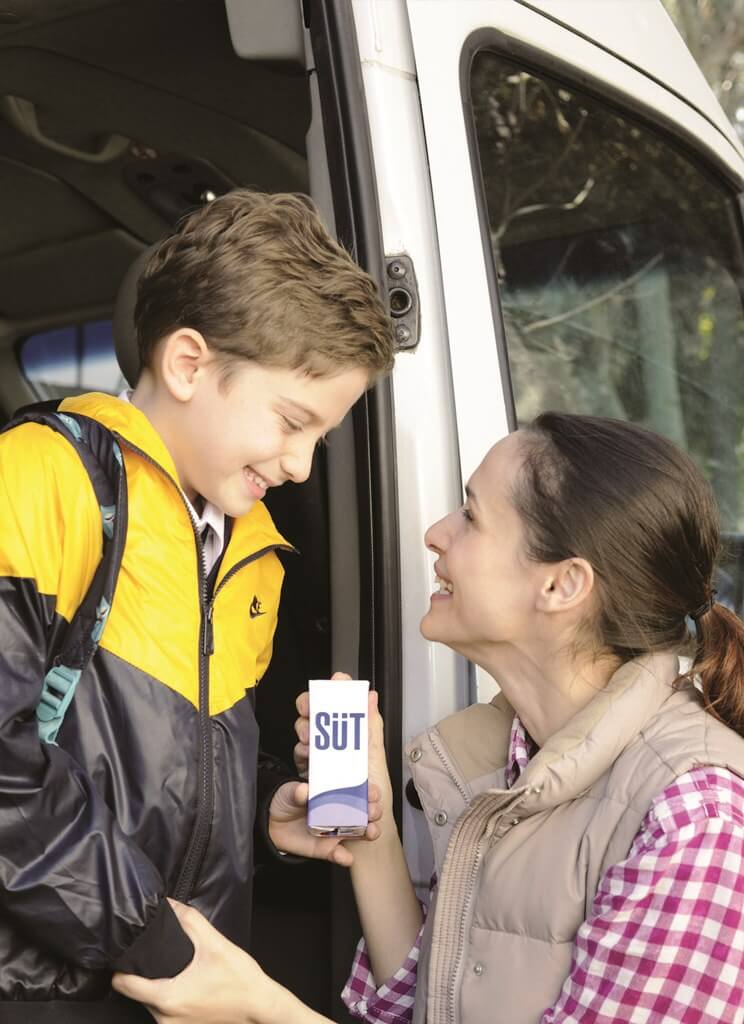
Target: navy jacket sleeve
x=272, y=773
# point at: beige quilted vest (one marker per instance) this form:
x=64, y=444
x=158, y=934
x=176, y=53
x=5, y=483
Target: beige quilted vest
x=518, y=869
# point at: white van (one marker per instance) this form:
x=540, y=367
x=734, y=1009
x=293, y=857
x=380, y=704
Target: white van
x=547, y=190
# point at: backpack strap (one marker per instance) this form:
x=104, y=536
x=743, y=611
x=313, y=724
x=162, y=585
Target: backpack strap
x=101, y=456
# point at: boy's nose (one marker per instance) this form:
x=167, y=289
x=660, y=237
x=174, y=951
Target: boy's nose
x=296, y=465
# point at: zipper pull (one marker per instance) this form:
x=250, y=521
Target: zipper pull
x=208, y=645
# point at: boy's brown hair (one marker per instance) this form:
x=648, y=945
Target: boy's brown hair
x=260, y=278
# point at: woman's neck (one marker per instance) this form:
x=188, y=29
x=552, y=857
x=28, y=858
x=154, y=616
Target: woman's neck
x=547, y=690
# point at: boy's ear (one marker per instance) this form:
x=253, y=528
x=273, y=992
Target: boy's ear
x=566, y=586
x=183, y=356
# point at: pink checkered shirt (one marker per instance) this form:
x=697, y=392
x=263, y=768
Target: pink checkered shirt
x=665, y=939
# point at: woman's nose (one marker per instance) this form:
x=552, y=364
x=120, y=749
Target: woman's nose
x=435, y=536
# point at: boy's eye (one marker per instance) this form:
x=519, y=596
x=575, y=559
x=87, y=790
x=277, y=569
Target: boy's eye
x=291, y=426
x=467, y=513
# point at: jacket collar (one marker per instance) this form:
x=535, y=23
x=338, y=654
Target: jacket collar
x=130, y=423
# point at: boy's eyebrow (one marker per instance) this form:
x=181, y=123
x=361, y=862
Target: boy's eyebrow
x=302, y=410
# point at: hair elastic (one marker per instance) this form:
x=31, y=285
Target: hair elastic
x=705, y=607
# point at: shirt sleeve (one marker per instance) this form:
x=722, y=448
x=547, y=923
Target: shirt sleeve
x=665, y=939
x=392, y=1002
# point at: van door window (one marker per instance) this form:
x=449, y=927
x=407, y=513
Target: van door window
x=70, y=360
x=619, y=266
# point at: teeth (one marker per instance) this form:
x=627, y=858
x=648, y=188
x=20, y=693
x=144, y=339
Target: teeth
x=257, y=479
x=444, y=586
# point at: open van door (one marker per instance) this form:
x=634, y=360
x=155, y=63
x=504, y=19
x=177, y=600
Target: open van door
x=567, y=190
x=586, y=190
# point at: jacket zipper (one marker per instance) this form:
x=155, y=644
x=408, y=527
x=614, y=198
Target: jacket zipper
x=208, y=639
x=205, y=804
x=205, y=795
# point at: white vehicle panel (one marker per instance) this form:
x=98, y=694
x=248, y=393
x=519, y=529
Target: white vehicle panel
x=642, y=33
x=435, y=679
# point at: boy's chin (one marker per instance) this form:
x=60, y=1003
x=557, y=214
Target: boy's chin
x=232, y=504
x=236, y=509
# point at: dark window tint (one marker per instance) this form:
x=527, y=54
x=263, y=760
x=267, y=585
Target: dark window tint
x=70, y=360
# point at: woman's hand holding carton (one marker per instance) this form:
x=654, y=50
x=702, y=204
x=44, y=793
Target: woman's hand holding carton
x=288, y=812
x=384, y=894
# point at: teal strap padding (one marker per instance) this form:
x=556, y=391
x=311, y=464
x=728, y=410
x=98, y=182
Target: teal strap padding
x=108, y=515
x=117, y=453
x=102, y=612
x=58, y=691
x=72, y=425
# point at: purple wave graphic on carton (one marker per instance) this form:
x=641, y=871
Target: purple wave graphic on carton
x=339, y=807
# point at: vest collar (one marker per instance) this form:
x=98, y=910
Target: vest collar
x=585, y=748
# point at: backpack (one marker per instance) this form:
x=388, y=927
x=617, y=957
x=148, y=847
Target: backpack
x=101, y=456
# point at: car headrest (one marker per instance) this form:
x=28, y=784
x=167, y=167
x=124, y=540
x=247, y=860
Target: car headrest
x=125, y=336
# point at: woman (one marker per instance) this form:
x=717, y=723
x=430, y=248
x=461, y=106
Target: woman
x=588, y=826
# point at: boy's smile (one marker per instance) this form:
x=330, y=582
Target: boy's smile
x=231, y=439
x=257, y=483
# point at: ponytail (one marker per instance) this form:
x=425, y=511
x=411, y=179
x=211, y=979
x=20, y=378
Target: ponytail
x=719, y=663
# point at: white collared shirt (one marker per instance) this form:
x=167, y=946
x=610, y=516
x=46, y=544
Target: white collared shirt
x=210, y=525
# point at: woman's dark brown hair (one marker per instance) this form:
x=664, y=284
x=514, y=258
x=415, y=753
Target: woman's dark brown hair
x=639, y=510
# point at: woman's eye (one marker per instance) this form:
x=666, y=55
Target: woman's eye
x=467, y=513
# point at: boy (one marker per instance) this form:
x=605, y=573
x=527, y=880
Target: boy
x=257, y=333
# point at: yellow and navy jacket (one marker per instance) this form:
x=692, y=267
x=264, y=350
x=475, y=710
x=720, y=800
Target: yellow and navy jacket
x=151, y=788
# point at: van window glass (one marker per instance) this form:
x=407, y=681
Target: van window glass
x=73, y=359
x=619, y=266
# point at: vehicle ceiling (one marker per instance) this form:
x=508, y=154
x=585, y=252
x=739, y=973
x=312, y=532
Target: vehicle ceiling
x=162, y=74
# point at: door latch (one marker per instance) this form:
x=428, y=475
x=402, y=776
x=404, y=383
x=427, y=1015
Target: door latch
x=403, y=299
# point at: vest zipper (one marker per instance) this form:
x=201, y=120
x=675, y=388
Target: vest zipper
x=197, y=845
x=468, y=895
x=448, y=768
x=455, y=899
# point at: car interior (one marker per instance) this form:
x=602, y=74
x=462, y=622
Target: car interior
x=116, y=119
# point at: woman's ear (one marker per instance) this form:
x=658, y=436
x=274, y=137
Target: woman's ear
x=566, y=586
x=183, y=356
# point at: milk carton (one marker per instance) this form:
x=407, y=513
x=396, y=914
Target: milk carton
x=337, y=803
